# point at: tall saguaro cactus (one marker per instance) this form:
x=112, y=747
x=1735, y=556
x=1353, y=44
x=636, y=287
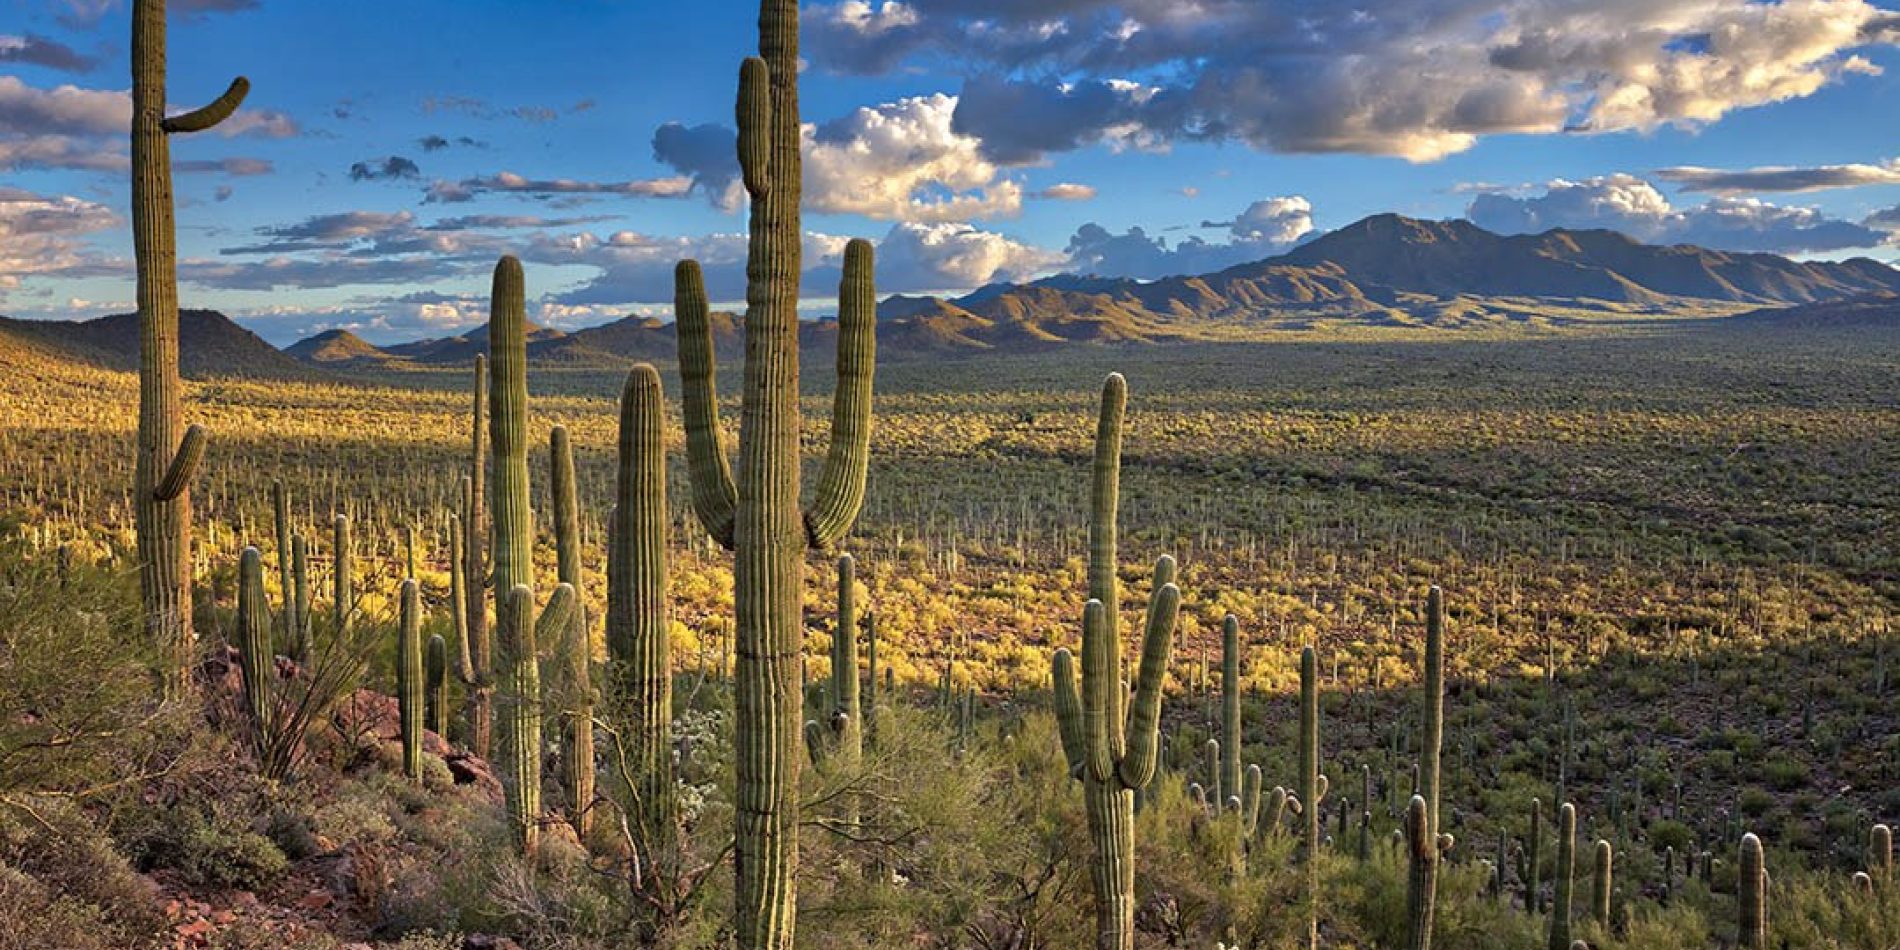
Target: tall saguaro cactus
x=1230, y=707
x=409, y=674
x=847, y=719
x=477, y=661
x=168, y=453
x=637, y=638
x=253, y=643
x=1312, y=788
x=576, y=646
x=1565, y=875
x=1425, y=841
x=1114, y=749
x=757, y=513
x=1751, y=896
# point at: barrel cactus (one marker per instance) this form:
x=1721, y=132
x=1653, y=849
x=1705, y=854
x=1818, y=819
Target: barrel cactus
x=1113, y=748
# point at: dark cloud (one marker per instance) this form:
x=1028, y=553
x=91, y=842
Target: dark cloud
x=436, y=143
x=1781, y=178
x=1635, y=207
x=235, y=167
x=35, y=50
x=388, y=169
x=708, y=154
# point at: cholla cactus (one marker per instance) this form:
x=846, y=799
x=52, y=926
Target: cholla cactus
x=1115, y=748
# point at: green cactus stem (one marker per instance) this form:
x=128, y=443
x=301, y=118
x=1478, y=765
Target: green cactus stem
x=342, y=575
x=409, y=678
x=280, y=515
x=255, y=658
x=1114, y=750
x=1229, y=778
x=1564, y=877
x=1312, y=789
x=1423, y=850
x=477, y=645
x=520, y=701
x=576, y=648
x=638, y=642
x=435, y=693
x=1602, y=884
x=1250, y=802
x=847, y=714
x=1211, y=760
x=1751, y=890
x=1880, y=854
x=299, y=646
x=168, y=453
x=1533, y=898
x=756, y=512
x=508, y=427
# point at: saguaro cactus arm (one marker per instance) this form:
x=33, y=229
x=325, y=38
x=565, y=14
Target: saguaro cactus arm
x=1068, y=709
x=840, y=492
x=754, y=115
x=1100, y=677
x=218, y=110
x=715, y=498
x=184, y=465
x=1137, y=766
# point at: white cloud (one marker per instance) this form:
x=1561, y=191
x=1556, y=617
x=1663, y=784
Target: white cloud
x=902, y=161
x=1781, y=178
x=1265, y=228
x=41, y=235
x=1637, y=208
x=1067, y=191
x=951, y=257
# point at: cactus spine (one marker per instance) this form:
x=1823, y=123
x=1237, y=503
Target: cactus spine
x=254, y=649
x=409, y=679
x=1566, y=869
x=1115, y=751
x=576, y=647
x=1751, y=896
x=1230, y=706
x=168, y=453
x=1426, y=842
x=1312, y=787
x=1601, y=886
x=757, y=513
x=637, y=637
x=435, y=692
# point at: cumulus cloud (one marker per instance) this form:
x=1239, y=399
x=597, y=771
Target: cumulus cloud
x=1419, y=80
x=450, y=192
x=42, y=235
x=1781, y=178
x=62, y=110
x=60, y=151
x=902, y=161
x=33, y=50
x=1267, y=227
x=1067, y=191
x=1635, y=207
x=707, y=154
x=948, y=256
x=385, y=169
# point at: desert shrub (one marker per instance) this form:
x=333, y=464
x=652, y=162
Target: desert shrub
x=207, y=843
x=63, y=885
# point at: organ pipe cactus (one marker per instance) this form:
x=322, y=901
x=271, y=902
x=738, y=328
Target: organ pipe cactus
x=1114, y=749
x=1751, y=896
x=757, y=513
x=1566, y=869
x=254, y=644
x=168, y=453
x=638, y=643
x=409, y=674
x=1425, y=840
x=1312, y=791
x=1229, y=783
x=575, y=646
x=1601, y=884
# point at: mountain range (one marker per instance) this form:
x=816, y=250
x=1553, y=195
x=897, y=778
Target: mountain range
x=1385, y=270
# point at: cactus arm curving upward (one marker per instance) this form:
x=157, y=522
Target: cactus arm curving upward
x=212, y=113
x=458, y=598
x=840, y=492
x=436, y=687
x=184, y=464
x=1068, y=708
x=575, y=644
x=1137, y=765
x=715, y=498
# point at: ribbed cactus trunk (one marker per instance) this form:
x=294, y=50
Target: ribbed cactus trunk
x=254, y=644
x=637, y=636
x=576, y=648
x=847, y=719
x=757, y=513
x=299, y=646
x=1565, y=874
x=435, y=687
x=477, y=645
x=1230, y=708
x=342, y=576
x=1751, y=896
x=1312, y=788
x=514, y=539
x=280, y=511
x=409, y=673
x=1114, y=749
x=1602, y=883
x=168, y=453
x=1426, y=843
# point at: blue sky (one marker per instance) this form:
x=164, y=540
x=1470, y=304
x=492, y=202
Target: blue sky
x=389, y=151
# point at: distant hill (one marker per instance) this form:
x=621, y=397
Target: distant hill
x=209, y=345
x=338, y=346
x=1872, y=311
x=1384, y=270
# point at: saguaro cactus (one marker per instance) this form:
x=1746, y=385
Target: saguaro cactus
x=343, y=591
x=1751, y=896
x=637, y=637
x=1533, y=898
x=521, y=703
x=757, y=515
x=435, y=687
x=1601, y=886
x=1114, y=749
x=477, y=646
x=508, y=427
x=1312, y=789
x=1564, y=877
x=576, y=647
x=1230, y=706
x=1880, y=854
x=847, y=718
x=168, y=454
x=409, y=678
x=1423, y=836
x=254, y=644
